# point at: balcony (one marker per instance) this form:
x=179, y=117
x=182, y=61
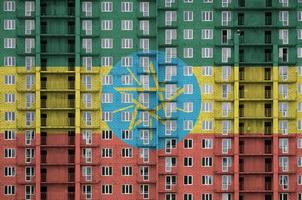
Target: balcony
x=71, y=177
x=71, y=195
x=268, y=112
x=43, y=195
x=71, y=158
x=43, y=121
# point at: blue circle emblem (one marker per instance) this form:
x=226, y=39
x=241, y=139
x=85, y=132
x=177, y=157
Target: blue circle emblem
x=150, y=99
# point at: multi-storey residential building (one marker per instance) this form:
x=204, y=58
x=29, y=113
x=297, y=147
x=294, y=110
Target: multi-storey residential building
x=144, y=99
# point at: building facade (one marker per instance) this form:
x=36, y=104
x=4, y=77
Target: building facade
x=144, y=99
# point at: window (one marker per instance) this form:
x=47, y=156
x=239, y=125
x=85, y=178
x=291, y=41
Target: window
x=9, y=153
x=283, y=163
x=29, y=118
x=87, y=136
x=299, y=34
x=29, y=62
x=188, y=161
x=188, y=197
x=188, y=107
x=299, y=143
x=107, y=80
x=144, y=8
x=87, y=82
x=9, y=171
x=127, y=43
x=106, y=6
x=188, y=34
x=299, y=162
x=207, y=88
x=144, y=172
x=87, y=191
x=106, y=25
x=188, y=180
x=225, y=54
x=9, y=43
x=126, y=116
x=207, y=125
x=283, y=145
x=188, y=70
x=207, y=34
x=144, y=44
x=107, y=116
x=106, y=171
x=226, y=181
x=9, y=79
x=87, y=26
x=9, y=61
x=106, y=134
x=29, y=45
x=226, y=145
x=206, y=161
x=126, y=135
x=207, y=196
x=225, y=18
x=283, y=36
x=107, y=43
x=106, y=189
x=127, y=153
x=106, y=153
x=188, y=89
x=9, y=6
x=87, y=118
x=126, y=171
x=188, y=125
x=226, y=163
x=299, y=15
x=206, y=180
x=9, y=98
x=206, y=52
x=127, y=25
x=126, y=189
x=207, y=106
x=283, y=181
x=188, y=143
x=87, y=173
x=126, y=97
x=188, y=53
x=87, y=8
x=188, y=16
x=9, y=135
x=29, y=26
x=107, y=98
x=9, y=190
x=9, y=24
x=207, y=71
x=127, y=61
x=127, y=6
x=283, y=17
x=207, y=15
x=9, y=116
x=299, y=52
x=207, y=143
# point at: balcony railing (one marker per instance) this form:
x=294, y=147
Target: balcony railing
x=43, y=159
x=71, y=103
x=43, y=195
x=268, y=94
x=71, y=85
x=71, y=121
x=43, y=140
x=71, y=140
x=71, y=177
x=71, y=195
x=43, y=103
x=268, y=112
x=71, y=158
x=43, y=177
x=43, y=84
x=43, y=121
